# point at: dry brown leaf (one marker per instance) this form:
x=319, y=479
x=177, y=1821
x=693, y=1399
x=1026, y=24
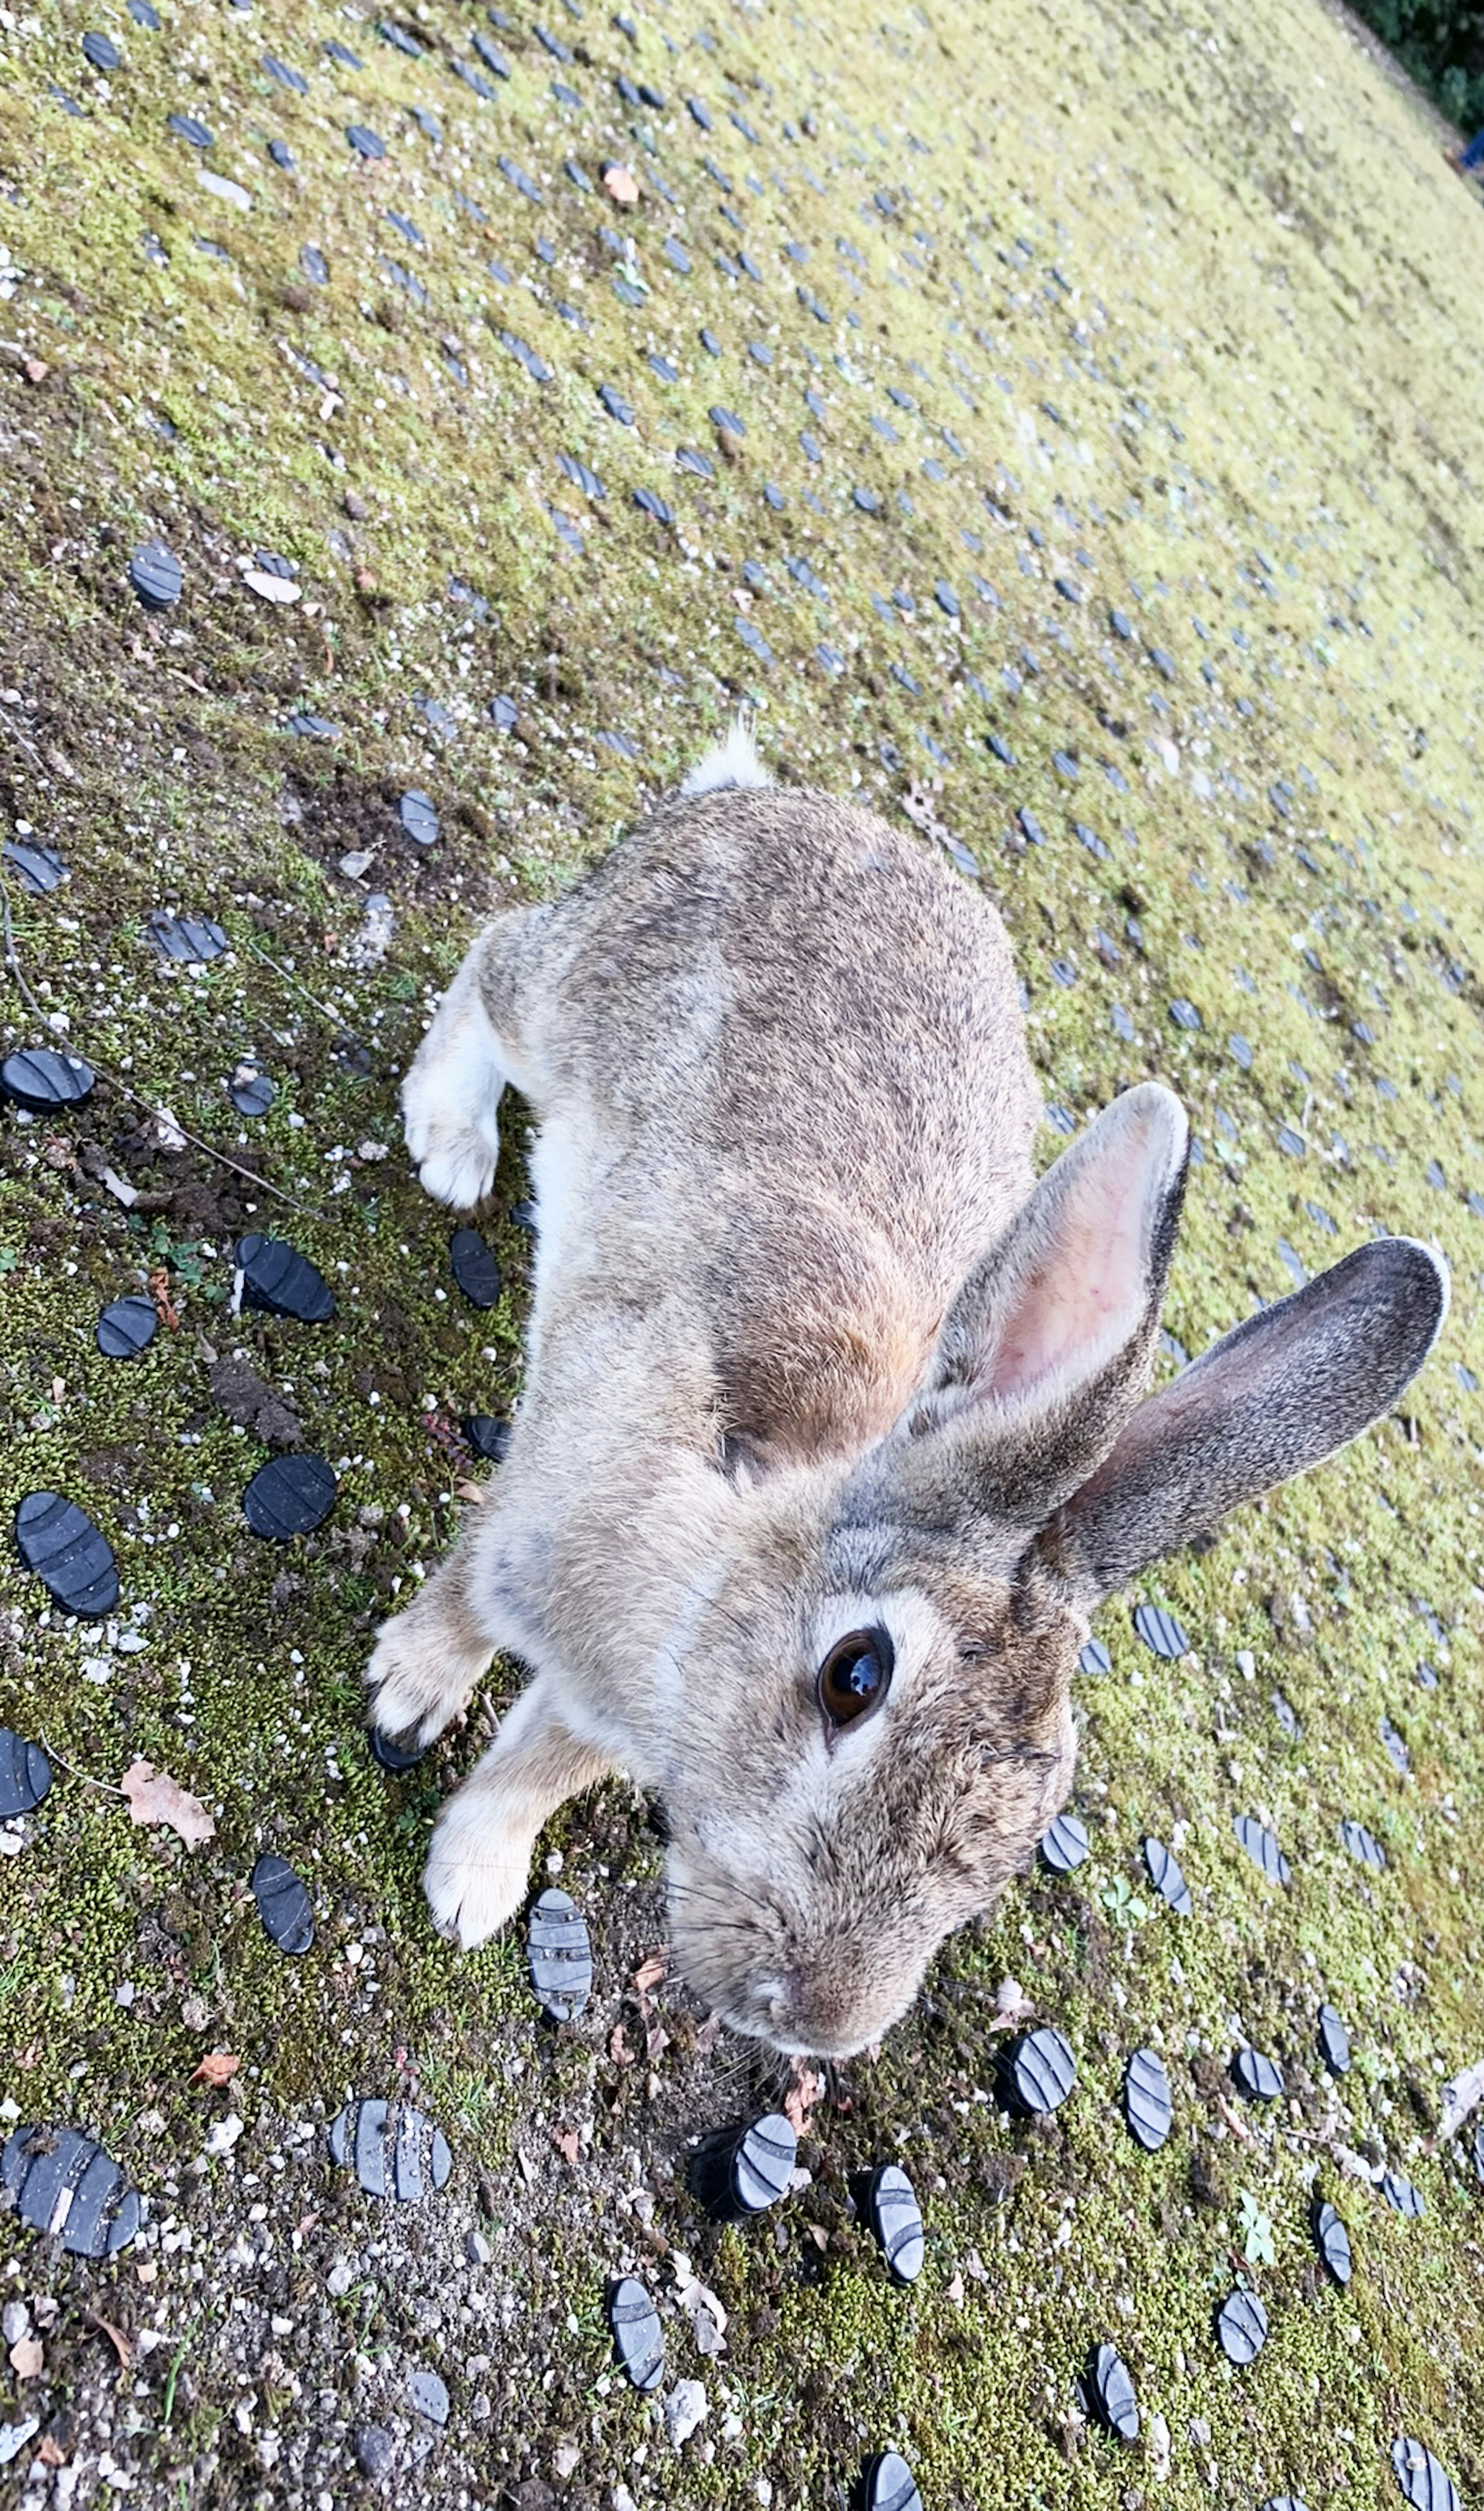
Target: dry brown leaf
x=801, y=2097
x=160, y=1292
x=115, y=2335
x=619, y=2049
x=35, y=370
x=1462, y=2096
x=48, y=2453
x=1013, y=2007
x=619, y=184
x=270, y=588
x=216, y=2069
x=27, y=2358
x=702, y=2306
x=650, y=1973
x=568, y=2146
x=1234, y=2121
x=154, y=1797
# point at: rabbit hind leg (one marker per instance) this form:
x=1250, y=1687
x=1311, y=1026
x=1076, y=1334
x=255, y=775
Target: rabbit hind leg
x=475, y=1044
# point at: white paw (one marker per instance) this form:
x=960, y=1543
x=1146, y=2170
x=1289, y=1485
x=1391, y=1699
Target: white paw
x=478, y=1870
x=414, y=1690
x=449, y=1100
x=457, y=1170
x=454, y=1151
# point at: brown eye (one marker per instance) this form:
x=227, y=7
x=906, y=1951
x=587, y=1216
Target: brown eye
x=854, y=1675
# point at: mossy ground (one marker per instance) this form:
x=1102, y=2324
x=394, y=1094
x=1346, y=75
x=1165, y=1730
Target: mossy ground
x=1182, y=309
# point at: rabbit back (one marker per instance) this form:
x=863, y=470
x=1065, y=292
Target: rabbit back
x=797, y=1038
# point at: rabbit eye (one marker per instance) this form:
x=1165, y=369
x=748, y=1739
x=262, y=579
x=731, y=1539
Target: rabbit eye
x=855, y=1675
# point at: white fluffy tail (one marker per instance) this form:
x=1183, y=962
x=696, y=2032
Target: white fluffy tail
x=734, y=761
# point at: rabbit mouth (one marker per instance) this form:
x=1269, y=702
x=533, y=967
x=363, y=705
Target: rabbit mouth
x=775, y=2032
x=736, y=1950
x=779, y=2011
x=765, y=2009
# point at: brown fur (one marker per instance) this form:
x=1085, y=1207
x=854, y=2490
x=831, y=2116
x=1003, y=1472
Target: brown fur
x=776, y=1000
x=809, y=1356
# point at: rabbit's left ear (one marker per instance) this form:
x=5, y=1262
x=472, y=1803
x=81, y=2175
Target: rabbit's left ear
x=1045, y=1351
x=1279, y=1393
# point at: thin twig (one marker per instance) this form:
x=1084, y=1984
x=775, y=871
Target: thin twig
x=106, y=1786
x=23, y=741
x=250, y=1175
x=12, y=957
x=290, y=978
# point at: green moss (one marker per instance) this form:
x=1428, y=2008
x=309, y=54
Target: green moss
x=1253, y=346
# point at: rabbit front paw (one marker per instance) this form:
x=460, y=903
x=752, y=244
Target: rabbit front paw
x=416, y=1687
x=455, y=1161
x=478, y=1870
x=449, y=1100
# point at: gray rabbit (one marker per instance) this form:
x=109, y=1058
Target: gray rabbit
x=832, y=1436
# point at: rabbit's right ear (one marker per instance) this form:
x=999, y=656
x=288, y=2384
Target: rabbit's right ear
x=1045, y=1349
x=1279, y=1393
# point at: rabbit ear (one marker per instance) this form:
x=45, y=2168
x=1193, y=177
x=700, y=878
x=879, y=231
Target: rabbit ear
x=1277, y=1395
x=1045, y=1347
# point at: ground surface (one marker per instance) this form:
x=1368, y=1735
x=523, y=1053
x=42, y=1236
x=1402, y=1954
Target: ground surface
x=1175, y=308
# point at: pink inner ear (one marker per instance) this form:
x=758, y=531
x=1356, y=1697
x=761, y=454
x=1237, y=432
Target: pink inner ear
x=1085, y=1295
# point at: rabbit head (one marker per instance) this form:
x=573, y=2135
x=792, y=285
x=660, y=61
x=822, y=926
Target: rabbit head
x=876, y=1722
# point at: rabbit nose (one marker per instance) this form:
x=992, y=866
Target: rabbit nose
x=822, y=2017
x=770, y=2004
x=775, y=1998
x=798, y=2015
